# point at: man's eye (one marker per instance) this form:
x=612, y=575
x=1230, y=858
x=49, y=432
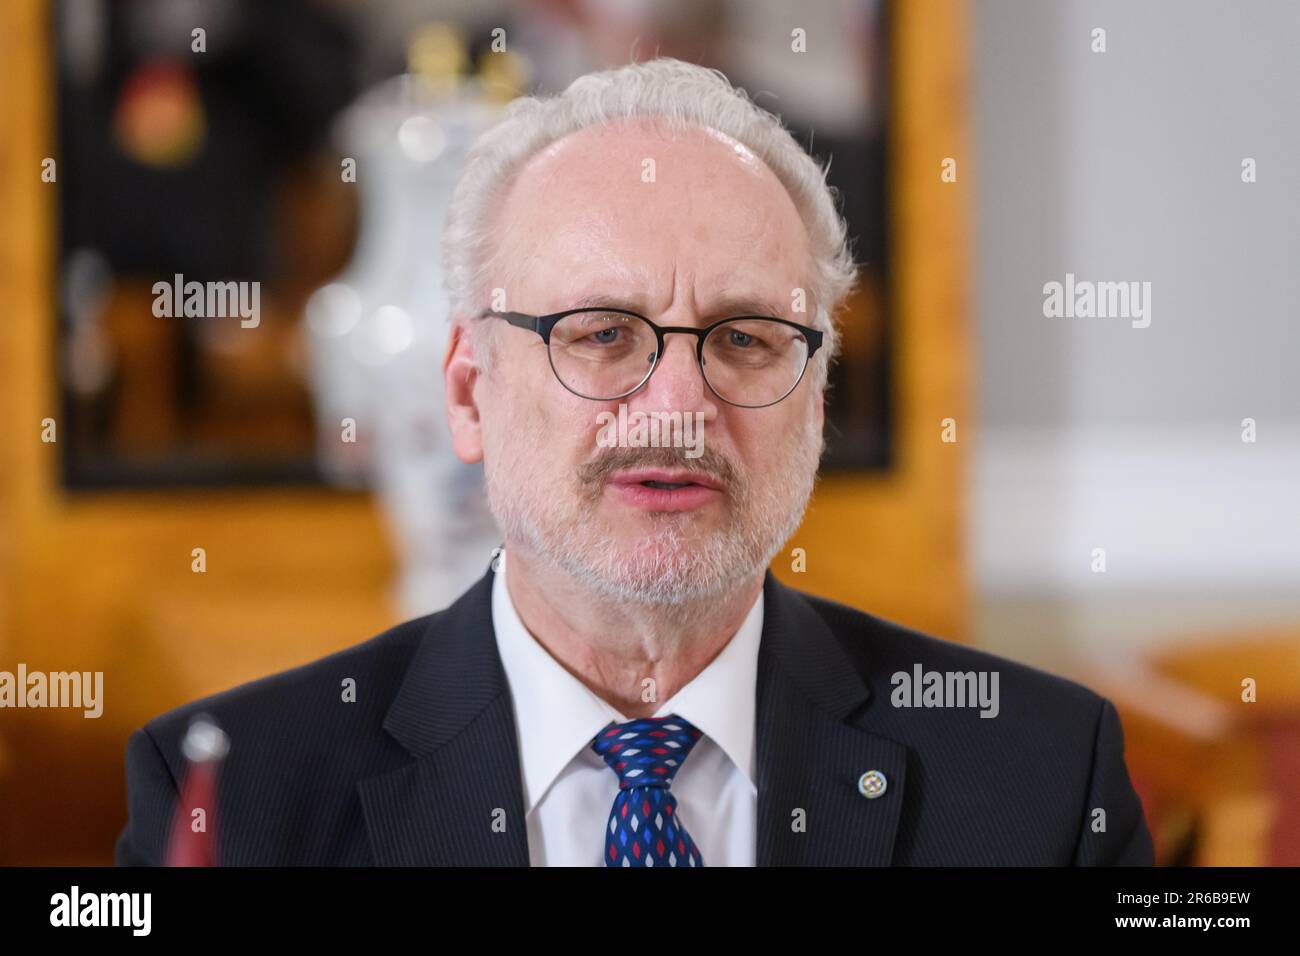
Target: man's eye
x=599, y=338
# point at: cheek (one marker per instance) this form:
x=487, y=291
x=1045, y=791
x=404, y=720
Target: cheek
x=766, y=442
x=576, y=426
x=519, y=394
x=558, y=433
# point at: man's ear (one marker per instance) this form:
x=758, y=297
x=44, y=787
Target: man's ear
x=461, y=372
x=818, y=399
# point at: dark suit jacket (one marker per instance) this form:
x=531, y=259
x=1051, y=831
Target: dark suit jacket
x=418, y=768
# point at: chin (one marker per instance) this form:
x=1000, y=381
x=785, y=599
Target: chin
x=660, y=590
x=663, y=544
x=662, y=572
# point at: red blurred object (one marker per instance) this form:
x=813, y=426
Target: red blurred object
x=193, y=840
x=159, y=118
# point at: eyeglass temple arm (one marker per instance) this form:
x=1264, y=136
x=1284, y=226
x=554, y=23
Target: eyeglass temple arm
x=518, y=319
x=814, y=338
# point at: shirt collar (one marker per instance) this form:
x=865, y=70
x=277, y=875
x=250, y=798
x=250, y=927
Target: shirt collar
x=556, y=715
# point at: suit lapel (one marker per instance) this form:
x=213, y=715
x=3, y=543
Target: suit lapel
x=811, y=749
x=460, y=800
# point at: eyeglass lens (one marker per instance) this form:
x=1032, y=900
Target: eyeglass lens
x=747, y=361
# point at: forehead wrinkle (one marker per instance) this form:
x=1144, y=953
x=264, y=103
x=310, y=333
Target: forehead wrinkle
x=571, y=277
x=580, y=243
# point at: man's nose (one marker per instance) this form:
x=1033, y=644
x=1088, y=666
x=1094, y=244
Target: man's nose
x=678, y=383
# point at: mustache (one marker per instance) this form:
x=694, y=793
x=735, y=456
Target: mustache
x=710, y=464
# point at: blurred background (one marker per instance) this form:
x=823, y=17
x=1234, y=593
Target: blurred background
x=188, y=502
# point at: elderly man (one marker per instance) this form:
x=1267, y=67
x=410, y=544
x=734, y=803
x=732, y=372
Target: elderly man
x=628, y=685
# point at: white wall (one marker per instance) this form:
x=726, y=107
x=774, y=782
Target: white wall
x=1126, y=165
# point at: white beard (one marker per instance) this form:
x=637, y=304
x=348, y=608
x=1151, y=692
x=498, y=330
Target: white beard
x=671, y=565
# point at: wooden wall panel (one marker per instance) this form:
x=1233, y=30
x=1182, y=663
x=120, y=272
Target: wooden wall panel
x=103, y=581
x=895, y=544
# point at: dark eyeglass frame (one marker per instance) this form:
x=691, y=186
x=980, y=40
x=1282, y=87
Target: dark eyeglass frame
x=544, y=324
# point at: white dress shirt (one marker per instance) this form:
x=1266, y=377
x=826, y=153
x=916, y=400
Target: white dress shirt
x=569, y=790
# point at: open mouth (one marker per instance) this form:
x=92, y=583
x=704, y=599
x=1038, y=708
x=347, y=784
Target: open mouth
x=662, y=490
x=665, y=480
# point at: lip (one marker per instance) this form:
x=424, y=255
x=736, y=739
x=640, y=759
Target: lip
x=700, y=491
x=670, y=477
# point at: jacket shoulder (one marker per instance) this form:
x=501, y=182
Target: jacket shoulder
x=1031, y=759
x=882, y=648
x=304, y=702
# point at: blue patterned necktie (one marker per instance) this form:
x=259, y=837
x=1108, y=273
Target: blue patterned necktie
x=643, y=828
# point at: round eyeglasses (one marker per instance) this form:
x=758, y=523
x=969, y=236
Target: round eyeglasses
x=607, y=354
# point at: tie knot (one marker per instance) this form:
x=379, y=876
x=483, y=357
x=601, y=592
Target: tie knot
x=646, y=752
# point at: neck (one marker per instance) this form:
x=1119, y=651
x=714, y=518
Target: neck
x=615, y=647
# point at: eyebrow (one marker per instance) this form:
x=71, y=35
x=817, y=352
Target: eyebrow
x=721, y=308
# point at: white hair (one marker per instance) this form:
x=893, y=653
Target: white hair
x=682, y=94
